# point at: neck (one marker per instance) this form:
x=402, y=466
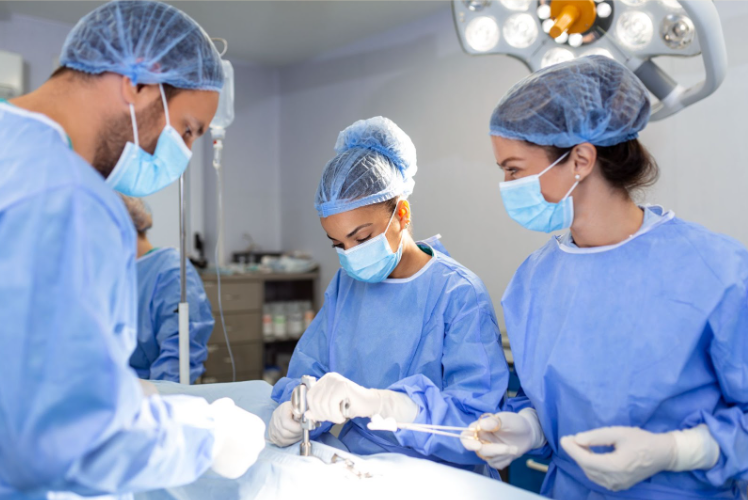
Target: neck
x=70, y=105
x=144, y=246
x=412, y=261
x=603, y=216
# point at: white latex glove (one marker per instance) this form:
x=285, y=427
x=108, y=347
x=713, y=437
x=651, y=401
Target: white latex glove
x=504, y=437
x=239, y=438
x=640, y=454
x=326, y=400
x=283, y=429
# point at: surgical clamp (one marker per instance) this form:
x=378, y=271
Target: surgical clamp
x=300, y=407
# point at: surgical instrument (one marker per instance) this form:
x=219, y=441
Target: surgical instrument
x=300, y=407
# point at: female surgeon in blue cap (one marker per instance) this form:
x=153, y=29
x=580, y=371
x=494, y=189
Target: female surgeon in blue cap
x=630, y=330
x=405, y=331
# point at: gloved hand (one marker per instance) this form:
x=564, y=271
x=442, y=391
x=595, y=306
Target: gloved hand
x=335, y=399
x=504, y=437
x=640, y=454
x=284, y=430
x=239, y=438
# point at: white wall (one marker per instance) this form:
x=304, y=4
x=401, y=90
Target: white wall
x=251, y=165
x=38, y=41
x=418, y=76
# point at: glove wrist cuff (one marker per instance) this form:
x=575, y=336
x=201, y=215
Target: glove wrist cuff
x=695, y=449
x=393, y=404
x=538, y=438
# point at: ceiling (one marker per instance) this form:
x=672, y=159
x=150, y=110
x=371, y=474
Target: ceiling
x=270, y=32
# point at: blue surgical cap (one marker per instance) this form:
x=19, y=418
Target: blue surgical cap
x=375, y=162
x=591, y=99
x=149, y=42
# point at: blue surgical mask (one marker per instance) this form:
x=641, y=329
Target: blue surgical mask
x=373, y=260
x=138, y=173
x=525, y=203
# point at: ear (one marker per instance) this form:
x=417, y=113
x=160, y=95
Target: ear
x=139, y=96
x=584, y=157
x=129, y=91
x=403, y=212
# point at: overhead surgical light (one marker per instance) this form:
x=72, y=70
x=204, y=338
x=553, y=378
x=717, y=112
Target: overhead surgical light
x=545, y=32
x=482, y=34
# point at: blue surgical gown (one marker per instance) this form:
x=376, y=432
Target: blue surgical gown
x=433, y=336
x=156, y=356
x=72, y=413
x=652, y=333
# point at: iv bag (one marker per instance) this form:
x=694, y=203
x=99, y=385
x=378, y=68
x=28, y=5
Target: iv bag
x=225, y=113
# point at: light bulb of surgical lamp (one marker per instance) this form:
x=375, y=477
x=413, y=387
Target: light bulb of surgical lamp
x=482, y=34
x=520, y=31
x=672, y=4
x=635, y=29
x=544, y=11
x=598, y=52
x=476, y=5
x=519, y=5
x=575, y=40
x=604, y=10
x=562, y=38
x=556, y=55
x=677, y=31
x=635, y=3
x=547, y=25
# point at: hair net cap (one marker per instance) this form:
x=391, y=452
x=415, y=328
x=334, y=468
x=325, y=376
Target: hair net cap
x=591, y=99
x=149, y=42
x=375, y=162
x=140, y=214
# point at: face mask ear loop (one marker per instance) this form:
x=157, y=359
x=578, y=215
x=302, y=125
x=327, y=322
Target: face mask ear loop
x=554, y=163
x=570, y=190
x=392, y=217
x=134, y=125
x=166, y=107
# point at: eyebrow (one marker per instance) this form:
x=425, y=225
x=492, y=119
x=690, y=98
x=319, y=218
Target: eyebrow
x=507, y=160
x=352, y=233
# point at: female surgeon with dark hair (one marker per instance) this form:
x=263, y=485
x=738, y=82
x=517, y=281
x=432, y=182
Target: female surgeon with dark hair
x=630, y=329
x=405, y=332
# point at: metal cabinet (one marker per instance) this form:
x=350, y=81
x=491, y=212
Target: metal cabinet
x=242, y=298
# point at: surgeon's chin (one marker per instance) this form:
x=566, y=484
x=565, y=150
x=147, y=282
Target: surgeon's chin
x=105, y=163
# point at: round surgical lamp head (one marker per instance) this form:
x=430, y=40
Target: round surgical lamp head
x=476, y=5
x=556, y=55
x=598, y=52
x=634, y=29
x=482, y=33
x=520, y=31
x=517, y=5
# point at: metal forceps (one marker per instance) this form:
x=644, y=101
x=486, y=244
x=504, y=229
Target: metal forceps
x=379, y=423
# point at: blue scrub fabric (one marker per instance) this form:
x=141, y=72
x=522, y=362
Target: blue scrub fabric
x=156, y=356
x=652, y=333
x=72, y=413
x=433, y=337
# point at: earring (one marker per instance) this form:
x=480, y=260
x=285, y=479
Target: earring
x=577, y=177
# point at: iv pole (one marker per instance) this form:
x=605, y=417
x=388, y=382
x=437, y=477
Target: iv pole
x=224, y=117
